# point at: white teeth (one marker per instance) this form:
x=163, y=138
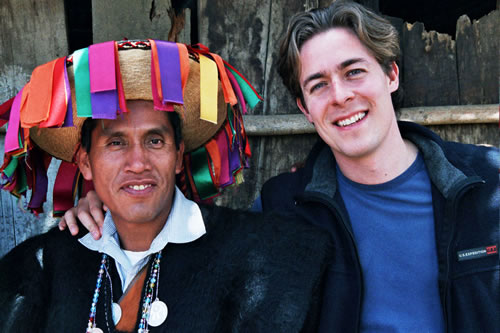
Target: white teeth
x=352, y=120
x=139, y=187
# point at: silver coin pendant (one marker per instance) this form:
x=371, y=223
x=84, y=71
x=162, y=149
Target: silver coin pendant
x=116, y=310
x=158, y=313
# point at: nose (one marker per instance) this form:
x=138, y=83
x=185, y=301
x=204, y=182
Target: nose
x=340, y=93
x=137, y=159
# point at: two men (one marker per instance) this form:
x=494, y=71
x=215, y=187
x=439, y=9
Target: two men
x=414, y=219
x=163, y=263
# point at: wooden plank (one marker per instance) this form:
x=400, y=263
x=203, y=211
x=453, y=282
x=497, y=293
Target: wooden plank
x=478, y=134
x=477, y=57
x=278, y=99
x=32, y=33
x=238, y=31
x=451, y=114
x=257, y=125
x=430, y=69
x=134, y=20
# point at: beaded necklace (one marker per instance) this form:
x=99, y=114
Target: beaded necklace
x=153, y=313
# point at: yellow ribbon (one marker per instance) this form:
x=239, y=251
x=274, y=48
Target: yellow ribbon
x=208, y=89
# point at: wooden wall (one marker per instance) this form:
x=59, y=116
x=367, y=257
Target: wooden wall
x=436, y=69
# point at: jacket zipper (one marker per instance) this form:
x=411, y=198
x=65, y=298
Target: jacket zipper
x=459, y=193
x=332, y=206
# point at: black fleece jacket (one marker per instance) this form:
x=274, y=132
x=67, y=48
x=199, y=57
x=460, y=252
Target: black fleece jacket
x=465, y=193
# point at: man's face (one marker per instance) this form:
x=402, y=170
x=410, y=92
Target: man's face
x=133, y=162
x=347, y=94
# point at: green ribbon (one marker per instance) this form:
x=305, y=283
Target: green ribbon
x=82, y=83
x=247, y=91
x=22, y=182
x=201, y=173
x=9, y=170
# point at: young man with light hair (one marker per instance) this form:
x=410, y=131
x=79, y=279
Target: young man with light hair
x=414, y=219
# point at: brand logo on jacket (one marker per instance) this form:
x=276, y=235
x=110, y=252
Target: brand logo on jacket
x=477, y=252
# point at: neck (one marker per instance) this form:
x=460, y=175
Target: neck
x=136, y=236
x=382, y=165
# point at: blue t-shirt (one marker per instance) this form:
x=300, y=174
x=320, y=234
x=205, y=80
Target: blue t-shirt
x=393, y=226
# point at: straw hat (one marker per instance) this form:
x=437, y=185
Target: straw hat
x=135, y=66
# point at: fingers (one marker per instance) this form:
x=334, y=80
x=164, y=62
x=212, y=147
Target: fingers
x=95, y=207
x=90, y=214
x=69, y=221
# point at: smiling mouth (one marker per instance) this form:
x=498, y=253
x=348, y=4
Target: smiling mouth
x=352, y=120
x=139, y=187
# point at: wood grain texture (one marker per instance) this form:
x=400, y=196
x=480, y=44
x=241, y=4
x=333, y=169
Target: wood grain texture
x=116, y=20
x=32, y=33
x=430, y=70
x=477, y=58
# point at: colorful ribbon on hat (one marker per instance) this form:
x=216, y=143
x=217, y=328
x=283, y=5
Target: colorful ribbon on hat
x=169, y=70
x=45, y=101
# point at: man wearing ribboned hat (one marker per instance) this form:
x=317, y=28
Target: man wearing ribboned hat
x=163, y=263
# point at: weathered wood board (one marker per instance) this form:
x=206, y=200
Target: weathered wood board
x=477, y=58
x=134, y=20
x=32, y=33
x=482, y=134
x=430, y=68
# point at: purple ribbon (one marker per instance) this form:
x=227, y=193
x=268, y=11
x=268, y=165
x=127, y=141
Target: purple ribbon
x=170, y=72
x=41, y=181
x=104, y=104
x=103, y=92
x=223, y=144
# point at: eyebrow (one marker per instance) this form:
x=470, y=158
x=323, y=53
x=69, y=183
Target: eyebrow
x=155, y=130
x=342, y=65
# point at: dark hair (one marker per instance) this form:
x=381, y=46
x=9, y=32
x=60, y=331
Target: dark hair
x=373, y=31
x=89, y=125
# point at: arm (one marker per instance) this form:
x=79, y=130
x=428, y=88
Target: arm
x=89, y=212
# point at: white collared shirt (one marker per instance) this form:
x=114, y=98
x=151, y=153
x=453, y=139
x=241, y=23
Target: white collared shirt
x=184, y=224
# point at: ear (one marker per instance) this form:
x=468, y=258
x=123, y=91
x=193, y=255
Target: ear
x=82, y=159
x=179, y=158
x=303, y=108
x=393, y=77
